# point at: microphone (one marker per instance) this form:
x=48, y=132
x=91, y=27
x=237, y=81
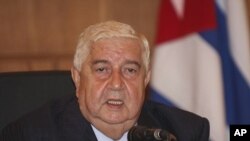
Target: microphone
x=140, y=133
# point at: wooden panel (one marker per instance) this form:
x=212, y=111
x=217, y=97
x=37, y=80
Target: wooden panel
x=36, y=63
x=141, y=14
x=42, y=35
x=13, y=31
x=13, y=65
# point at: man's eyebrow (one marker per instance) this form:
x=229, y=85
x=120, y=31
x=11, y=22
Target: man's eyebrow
x=99, y=61
x=126, y=62
x=133, y=62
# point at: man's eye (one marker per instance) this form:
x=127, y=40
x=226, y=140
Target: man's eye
x=131, y=70
x=101, y=69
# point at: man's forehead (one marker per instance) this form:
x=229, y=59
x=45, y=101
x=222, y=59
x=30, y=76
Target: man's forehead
x=119, y=51
x=116, y=47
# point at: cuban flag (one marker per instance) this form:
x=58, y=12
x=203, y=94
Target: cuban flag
x=201, y=62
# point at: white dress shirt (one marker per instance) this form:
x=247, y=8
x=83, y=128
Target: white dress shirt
x=101, y=137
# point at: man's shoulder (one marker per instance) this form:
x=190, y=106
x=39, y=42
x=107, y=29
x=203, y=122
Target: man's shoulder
x=49, y=111
x=164, y=111
x=42, y=121
x=182, y=123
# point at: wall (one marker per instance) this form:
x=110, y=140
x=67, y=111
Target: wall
x=42, y=35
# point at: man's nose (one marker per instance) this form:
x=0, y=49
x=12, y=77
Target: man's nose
x=116, y=80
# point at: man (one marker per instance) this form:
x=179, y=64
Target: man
x=111, y=71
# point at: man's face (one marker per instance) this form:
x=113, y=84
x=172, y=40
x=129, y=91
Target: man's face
x=111, y=85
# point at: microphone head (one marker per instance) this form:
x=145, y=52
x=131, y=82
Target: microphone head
x=140, y=133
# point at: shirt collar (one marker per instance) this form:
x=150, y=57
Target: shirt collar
x=102, y=137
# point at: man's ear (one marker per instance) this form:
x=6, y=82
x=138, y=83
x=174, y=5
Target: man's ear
x=76, y=78
x=147, y=77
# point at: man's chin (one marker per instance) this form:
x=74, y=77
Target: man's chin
x=114, y=121
x=117, y=121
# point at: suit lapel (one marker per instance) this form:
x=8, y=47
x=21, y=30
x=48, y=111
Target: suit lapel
x=152, y=117
x=74, y=126
x=147, y=118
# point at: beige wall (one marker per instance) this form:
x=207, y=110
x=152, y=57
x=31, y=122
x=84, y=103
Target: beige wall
x=42, y=35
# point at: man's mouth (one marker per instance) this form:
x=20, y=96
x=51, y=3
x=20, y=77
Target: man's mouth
x=115, y=102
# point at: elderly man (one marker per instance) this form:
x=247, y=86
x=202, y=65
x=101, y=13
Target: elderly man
x=111, y=71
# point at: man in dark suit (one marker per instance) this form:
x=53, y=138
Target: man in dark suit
x=111, y=71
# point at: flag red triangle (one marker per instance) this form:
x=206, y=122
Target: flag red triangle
x=199, y=15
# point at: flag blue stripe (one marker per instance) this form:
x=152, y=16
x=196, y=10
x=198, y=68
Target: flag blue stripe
x=237, y=91
x=156, y=96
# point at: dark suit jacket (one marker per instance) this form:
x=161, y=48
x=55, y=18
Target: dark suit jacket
x=61, y=120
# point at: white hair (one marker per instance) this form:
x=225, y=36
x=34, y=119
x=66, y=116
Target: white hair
x=106, y=30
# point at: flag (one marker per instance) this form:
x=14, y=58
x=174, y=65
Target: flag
x=201, y=62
